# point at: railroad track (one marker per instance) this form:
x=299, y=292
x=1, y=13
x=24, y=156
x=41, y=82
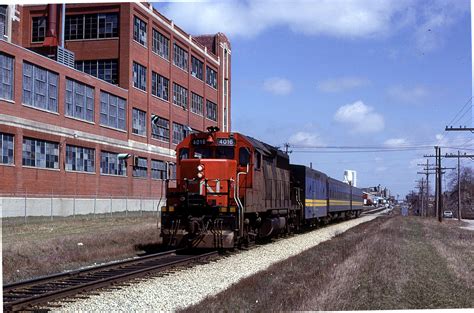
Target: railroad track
x=39, y=291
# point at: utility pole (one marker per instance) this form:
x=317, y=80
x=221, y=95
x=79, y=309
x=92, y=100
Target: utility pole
x=427, y=173
x=459, y=156
x=287, y=147
x=459, y=185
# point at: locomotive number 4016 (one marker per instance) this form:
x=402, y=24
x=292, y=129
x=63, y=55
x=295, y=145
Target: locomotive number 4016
x=225, y=141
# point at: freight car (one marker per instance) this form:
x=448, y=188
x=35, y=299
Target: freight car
x=231, y=189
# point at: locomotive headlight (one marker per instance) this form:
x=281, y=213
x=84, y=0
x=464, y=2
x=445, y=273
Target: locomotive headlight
x=200, y=175
x=200, y=167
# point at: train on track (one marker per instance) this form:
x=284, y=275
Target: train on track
x=231, y=189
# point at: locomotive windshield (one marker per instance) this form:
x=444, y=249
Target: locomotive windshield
x=208, y=153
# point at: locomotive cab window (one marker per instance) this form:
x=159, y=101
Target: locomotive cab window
x=244, y=156
x=184, y=154
x=225, y=153
x=202, y=153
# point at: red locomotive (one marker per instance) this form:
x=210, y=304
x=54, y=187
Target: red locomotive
x=231, y=189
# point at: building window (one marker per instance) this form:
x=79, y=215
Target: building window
x=160, y=86
x=139, y=31
x=180, y=58
x=112, y=110
x=160, y=128
x=91, y=26
x=6, y=149
x=161, y=45
x=140, y=167
x=38, y=31
x=6, y=77
x=139, y=76
x=80, y=159
x=197, y=67
x=211, y=77
x=79, y=100
x=180, y=95
x=108, y=25
x=139, y=122
x=40, y=87
x=3, y=22
x=158, y=169
x=40, y=153
x=103, y=69
x=111, y=164
x=179, y=133
x=196, y=103
x=172, y=170
x=211, y=110
x=74, y=27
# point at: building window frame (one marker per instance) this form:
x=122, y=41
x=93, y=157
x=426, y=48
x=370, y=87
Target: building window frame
x=161, y=129
x=160, y=86
x=197, y=68
x=111, y=164
x=7, y=76
x=180, y=96
x=40, y=83
x=138, y=122
x=4, y=21
x=160, y=44
x=7, y=149
x=79, y=159
x=76, y=93
x=106, y=70
x=140, y=167
x=197, y=104
x=180, y=57
x=211, y=110
x=140, y=31
x=179, y=133
x=211, y=77
x=139, y=76
x=113, y=111
x=158, y=170
x=40, y=153
x=38, y=28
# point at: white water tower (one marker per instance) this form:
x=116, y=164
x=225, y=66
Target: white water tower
x=350, y=176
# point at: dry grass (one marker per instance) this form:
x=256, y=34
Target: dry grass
x=389, y=263
x=45, y=247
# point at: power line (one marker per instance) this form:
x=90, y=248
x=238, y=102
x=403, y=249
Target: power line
x=454, y=119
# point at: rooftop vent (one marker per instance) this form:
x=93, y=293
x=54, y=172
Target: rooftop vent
x=65, y=56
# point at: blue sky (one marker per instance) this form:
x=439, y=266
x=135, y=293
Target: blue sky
x=385, y=74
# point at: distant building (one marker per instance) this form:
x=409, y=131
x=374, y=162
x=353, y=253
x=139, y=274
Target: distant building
x=101, y=115
x=350, y=176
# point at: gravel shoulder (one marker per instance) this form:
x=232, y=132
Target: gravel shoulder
x=187, y=287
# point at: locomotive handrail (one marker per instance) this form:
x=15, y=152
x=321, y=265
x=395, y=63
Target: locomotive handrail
x=239, y=203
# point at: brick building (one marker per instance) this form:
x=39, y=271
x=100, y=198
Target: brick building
x=97, y=110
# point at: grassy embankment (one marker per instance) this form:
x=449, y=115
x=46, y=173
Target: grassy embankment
x=45, y=247
x=388, y=263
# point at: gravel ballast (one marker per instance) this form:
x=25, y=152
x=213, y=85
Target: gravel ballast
x=187, y=287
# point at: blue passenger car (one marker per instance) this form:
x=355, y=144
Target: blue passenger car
x=313, y=186
x=339, y=196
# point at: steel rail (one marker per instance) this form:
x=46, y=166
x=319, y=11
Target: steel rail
x=24, y=295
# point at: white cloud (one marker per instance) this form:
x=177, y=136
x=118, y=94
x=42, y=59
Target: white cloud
x=340, y=18
x=342, y=84
x=360, y=117
x=305, y=139
x=405, y=94
x=396, y=142
x=278, y=86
